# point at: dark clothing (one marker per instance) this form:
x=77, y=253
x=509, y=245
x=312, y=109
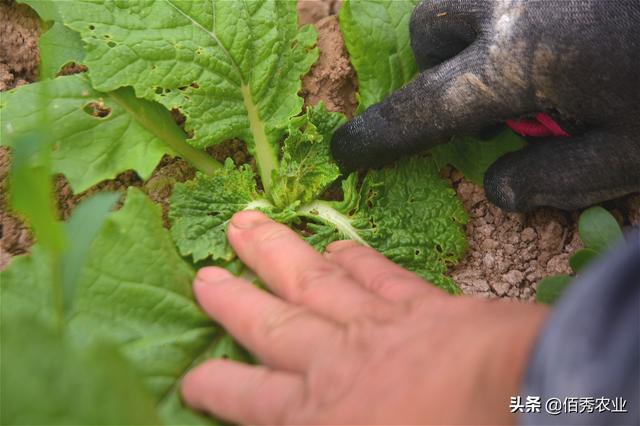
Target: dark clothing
x=590, y=346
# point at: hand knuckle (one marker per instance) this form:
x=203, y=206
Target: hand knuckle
x=383, y=281
x=310, y=281
x=276, y=322
x=356, y=253
x=268, y=235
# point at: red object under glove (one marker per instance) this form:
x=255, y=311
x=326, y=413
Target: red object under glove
x=542, y=126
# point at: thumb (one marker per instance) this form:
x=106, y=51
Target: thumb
x=459, y=96
x=567, y=174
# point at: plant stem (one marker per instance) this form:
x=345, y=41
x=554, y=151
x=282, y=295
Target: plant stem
x=266, y=157
x=157, y=120
x=323, y=212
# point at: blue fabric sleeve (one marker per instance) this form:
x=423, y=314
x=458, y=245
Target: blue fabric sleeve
x=590, y=347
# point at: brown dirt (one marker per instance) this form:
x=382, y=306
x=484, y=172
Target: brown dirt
x=67, y=201
x=311, y=11
x=159, y=186
x=19, y=59
x=236, y=149
x=332, y=79
x=18, y=45
x=15, y=238
x=510, y=252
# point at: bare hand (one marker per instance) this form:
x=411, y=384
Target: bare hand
x=350, y=337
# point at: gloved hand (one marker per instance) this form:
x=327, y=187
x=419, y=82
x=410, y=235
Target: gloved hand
x=487, y=61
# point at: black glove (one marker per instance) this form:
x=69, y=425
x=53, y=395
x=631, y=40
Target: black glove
x=487, y=61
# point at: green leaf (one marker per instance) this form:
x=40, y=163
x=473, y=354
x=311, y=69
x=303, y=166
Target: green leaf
x=59, y=46
x=473, y=156
x=88, y=148
x=201, y=209
x=376, y=33
x=46, y=9
x=48, y=379
x=598, y=229
x=551, y=288
x=306, y=168
x=406, y=212
x=227, y=348
x=581, y=258
x=31, y=189
x=81, y=229
x=173, y=411
x=134, y=293
x=27, y=286
x=97, y=135
x=232, y=68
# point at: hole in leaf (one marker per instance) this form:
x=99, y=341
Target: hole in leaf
x=111, y=44
x=159, y=91
x=180, y=120
x=92, y=27
x=178, y=117
x=72, y=68
x=97, y=109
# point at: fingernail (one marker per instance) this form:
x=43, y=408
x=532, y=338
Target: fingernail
x=212, y=275
x=248, y=219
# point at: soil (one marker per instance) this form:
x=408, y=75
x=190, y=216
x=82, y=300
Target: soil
x=15, y=238
x=312, y=11
x=508, y=252
x=19, y=34
x=332, y=79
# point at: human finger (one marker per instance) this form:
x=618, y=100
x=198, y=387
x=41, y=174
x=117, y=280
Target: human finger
x=282, y=335
x=296, y=271
x=242, y=393
x=377, y=273
x=566, y=174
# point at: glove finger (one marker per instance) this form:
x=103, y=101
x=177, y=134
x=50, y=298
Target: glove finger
x=567, y=174
x=441, y=29
x=460, y=96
